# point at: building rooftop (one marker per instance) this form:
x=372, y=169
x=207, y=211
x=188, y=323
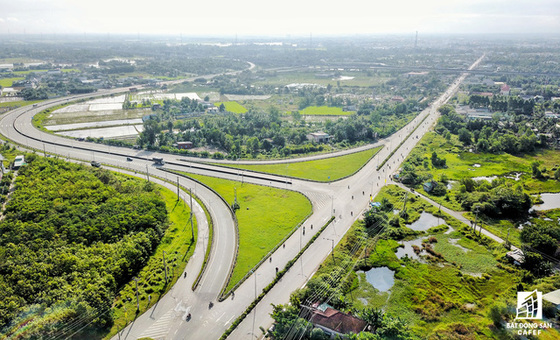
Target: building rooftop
x=553, y=297
x=328, y=317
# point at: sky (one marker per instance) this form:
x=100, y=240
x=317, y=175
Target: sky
x=278, y=18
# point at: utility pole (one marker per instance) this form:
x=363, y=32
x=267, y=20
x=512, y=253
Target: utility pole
x=192, y=224
x=475, y=218
x=137, y=300
x=147, y=173
x=332, y=251
x=177, y=188
x=165, y=266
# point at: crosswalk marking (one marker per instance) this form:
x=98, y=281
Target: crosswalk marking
x=160, y=328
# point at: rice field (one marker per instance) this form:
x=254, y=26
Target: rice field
x=232, y=106
x=325, y=111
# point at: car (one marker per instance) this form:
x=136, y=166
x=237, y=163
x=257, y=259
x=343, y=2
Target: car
x=95, y=164
x=128, y=159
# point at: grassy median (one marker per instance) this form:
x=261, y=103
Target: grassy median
x=266, y=216
x=320, y=170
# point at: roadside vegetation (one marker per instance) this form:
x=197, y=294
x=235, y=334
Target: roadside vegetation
x=451, y=287
x=265, y=217
x=321, y=170
x=73, y=238
x=490, y=169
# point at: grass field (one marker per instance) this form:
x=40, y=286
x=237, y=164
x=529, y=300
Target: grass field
x=7, y=82
x=18, y=103
x=178, y=246
x=461, y=164
x=266, y=215
x=322, y=170
x=231, y=106
x=325, y=111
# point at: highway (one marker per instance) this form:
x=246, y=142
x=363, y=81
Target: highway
x=345, y=199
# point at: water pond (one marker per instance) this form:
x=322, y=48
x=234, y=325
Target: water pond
x=551, y=201
x=382, y=278
x=425, y=222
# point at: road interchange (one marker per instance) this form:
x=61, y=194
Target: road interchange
x=345, y=199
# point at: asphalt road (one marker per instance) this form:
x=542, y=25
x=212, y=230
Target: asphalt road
x=345, y=199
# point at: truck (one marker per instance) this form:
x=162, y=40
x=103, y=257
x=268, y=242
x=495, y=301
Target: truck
x=158, y=161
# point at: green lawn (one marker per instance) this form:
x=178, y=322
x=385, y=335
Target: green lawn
x=19, y=103
x=462, y=164
x=266, y=216
x=232, y=106
x=324, y=111
x=321, y=170
x=7, y=82
x=178, y=246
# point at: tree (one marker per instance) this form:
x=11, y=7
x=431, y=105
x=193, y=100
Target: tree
x=536, y=171
x=495, y=314
x=222, y=107
x=465, y=136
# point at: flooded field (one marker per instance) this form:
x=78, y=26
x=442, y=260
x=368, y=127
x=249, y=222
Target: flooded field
x=94, y=124
x=109, y=132
x=408, y=249
x=551, y=201
x=425, y=222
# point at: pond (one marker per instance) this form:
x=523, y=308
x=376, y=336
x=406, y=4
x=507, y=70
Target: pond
x=382, y=278
x=94, y=124
x=407, y=250
x=425, y=222
x=108, y=132
x=485, y=178
x=551, y=201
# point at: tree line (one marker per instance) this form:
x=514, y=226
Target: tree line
x=71, y=237
x=267, y=133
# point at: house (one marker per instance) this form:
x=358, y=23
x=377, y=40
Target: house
x=429, y=186
x=319, y=137
x=18, y=162
x=10, y=92
x=488, y=82
x=484, y=94
x=213, y=109
x=504, y=90
x=334, y=322
x=184, y=145
x=375, y=205
x=149, y=117
x=553, y=297
x=516, y=256
x=398, y=99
